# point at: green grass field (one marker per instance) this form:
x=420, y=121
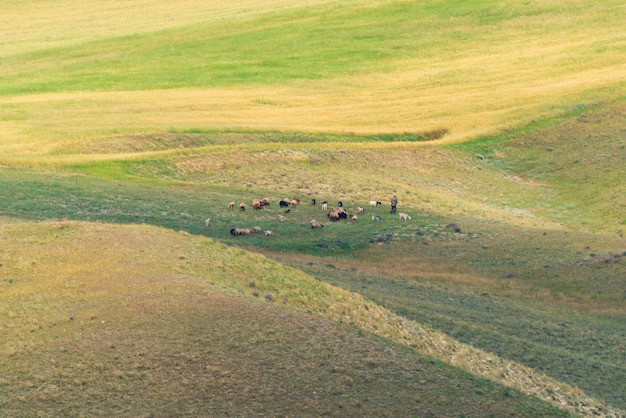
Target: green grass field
x=500, y=127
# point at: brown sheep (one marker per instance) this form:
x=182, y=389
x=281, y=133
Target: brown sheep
x=242, y=206
x=316, y=224
x=337, y=213
x=256, y=204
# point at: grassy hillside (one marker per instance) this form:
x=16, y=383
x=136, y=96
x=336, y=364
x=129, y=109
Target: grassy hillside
x=500, y=126
x=370, y=67
x=136, y=320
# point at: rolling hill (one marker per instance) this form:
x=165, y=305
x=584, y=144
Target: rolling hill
x=499, y=125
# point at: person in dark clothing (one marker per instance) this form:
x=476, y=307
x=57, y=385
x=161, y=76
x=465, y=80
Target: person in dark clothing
x=394, y=203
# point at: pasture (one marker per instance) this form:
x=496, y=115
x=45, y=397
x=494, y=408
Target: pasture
x=499, y=126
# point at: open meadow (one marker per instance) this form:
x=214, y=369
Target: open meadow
x=500, y=127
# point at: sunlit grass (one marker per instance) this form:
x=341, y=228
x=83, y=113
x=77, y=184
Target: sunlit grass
x=398, y=67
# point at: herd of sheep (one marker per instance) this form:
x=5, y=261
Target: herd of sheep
x=334, y=214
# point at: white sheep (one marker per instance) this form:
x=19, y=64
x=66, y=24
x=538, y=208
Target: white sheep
x=207, y=221
x=281, y=218
x=360, y=210
x=324, y=205
x=374, y=203
x=375, y=218
x=268, y=233
x=404, y=216
x=231, y=205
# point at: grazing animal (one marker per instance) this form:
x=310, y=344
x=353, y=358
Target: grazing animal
x=256, y=229
x=404, y=216
x=324, y=205
x=207, y=221
x=313, y=202
x=256, y=204
x=316, y=224
x=295, y=202
x=337, y=213
x=374, y=203
x=354, y=218
x=231, y=205
x=284, y=204
x=242, y=206
x=360, y=210
x=340, y=204
x=375, y=218
x=281, y=218
x=265, y=201
x=268, y=233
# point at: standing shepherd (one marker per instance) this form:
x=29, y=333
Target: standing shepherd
x=394, y=203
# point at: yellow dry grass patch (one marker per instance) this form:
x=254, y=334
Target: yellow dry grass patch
x=400, y=102
x=41, y=24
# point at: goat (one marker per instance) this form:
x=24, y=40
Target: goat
x=324, y=205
